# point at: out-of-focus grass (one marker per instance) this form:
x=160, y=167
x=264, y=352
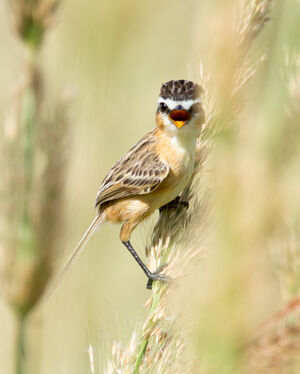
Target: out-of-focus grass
x=115, y=55
x=256, y=205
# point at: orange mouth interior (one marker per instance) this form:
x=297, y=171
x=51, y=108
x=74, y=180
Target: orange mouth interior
x=179, y=117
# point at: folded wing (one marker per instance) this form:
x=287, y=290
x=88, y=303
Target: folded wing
x=140, y=171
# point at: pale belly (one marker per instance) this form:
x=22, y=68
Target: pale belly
x=167, y=193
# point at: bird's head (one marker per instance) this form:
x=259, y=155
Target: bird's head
x=179, y=107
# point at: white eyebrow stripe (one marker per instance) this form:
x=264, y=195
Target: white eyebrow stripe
x=174, y=103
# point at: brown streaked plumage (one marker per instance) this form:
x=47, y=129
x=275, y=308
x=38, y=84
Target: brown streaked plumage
x=152, y=173
x=139, y=172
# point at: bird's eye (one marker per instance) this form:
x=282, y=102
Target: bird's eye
x=163, y=107
x=196, y=108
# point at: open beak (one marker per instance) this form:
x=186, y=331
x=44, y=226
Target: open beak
x=179, y=117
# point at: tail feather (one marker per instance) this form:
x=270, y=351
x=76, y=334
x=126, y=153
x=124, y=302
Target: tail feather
x=98, y=220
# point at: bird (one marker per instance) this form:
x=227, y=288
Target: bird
x=153, y=173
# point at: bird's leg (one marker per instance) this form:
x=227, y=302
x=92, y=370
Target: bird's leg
x=155, y=276
x=175, y=204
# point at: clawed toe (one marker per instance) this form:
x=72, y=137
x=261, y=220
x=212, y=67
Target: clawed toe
x=174, y=204
x=156, y=276
x=185, y=204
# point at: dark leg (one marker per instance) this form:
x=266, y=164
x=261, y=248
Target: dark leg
x=174, y=204
x=151, y=276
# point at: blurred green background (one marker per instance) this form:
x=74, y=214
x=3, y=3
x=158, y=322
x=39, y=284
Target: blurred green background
x=113, y=56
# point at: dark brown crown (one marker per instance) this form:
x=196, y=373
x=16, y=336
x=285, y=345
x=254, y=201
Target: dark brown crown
x=180, y=90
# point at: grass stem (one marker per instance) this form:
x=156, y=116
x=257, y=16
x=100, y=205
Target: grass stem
x=156, y=297
x=20, y=345
x=145, y=340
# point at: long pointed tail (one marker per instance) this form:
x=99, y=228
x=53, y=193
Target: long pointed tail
x=98, y=220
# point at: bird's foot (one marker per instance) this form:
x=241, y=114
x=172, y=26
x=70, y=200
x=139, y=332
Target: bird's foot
x=174, y=204
x=156, y=276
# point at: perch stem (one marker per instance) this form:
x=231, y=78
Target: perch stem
x=157, y=290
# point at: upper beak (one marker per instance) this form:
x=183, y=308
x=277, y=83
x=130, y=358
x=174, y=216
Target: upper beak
x=179, y=117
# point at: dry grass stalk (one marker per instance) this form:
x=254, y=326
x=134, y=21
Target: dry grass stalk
x=286, y=257
x=256, y=15
x=32, y=203
x=32, y=18
x=226, y=83
x=33, y=160
x=277, y=347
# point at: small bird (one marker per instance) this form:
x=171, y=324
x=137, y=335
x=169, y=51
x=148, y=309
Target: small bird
x=153, y=173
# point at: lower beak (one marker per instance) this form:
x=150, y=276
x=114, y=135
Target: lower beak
x=179, y=123
x=179, y=117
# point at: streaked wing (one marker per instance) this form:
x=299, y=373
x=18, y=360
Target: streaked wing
x=140, y=171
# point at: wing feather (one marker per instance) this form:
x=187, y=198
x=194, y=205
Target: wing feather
x=139, y=171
